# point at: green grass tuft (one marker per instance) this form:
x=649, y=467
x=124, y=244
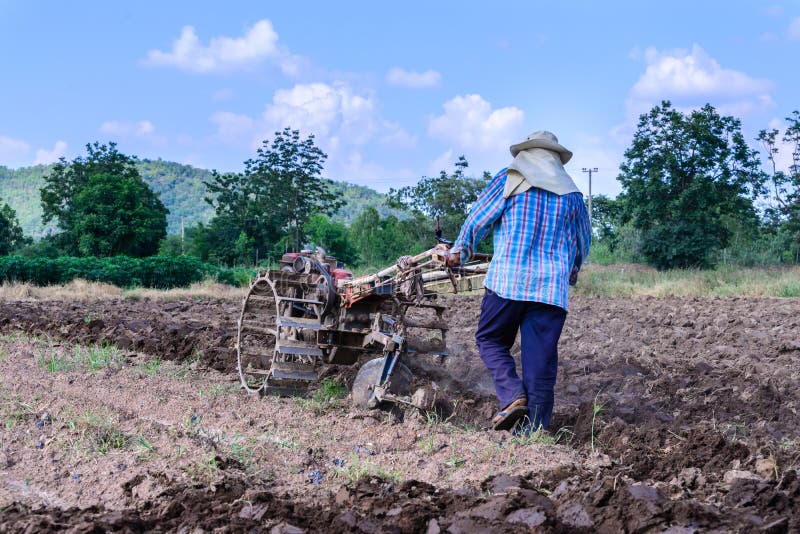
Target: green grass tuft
x=330, y=390
x=93, y=358
x=54, y=362
x=99, y=357
x=356, y=469
x=99, y=431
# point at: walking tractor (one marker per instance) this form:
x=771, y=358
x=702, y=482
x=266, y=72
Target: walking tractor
x=311, y=312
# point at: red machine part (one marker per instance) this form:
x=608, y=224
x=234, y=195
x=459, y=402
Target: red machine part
x=340, y=274
x=332, y=265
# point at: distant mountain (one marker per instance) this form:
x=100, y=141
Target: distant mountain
x=358, y=197
x=181, y=189
x=179, y=186
x=20, y=189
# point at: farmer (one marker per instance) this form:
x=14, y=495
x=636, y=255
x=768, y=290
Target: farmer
x=541, y=237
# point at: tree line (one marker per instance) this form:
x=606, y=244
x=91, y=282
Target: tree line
x=279, y=202
x=694, y=193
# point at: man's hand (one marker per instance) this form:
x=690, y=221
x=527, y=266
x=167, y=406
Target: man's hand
x=453, y=257
x=573, y=277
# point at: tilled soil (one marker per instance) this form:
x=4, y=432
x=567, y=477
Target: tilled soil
x=672, y=413
x=178, y=330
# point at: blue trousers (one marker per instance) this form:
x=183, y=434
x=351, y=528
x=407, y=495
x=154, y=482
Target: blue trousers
x=540, y=327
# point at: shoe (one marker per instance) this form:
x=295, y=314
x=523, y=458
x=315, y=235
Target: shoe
x=509, y=416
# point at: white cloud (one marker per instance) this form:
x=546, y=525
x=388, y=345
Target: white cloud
x=127, y=129
x=470, y=124
x=693, y=78
x=794, y=29
x=222, y=54
x=694, y=74
x=412, y=79
x=43, y=156
x=12, y=151
x=344, y=123
x=327, y=111
x=334, y=113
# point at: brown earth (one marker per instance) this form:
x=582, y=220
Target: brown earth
x=675, y=414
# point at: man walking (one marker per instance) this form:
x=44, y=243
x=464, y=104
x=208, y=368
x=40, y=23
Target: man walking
x=541, y=236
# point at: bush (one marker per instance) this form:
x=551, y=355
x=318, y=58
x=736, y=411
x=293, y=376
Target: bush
x=237, y=276
x=159, y=272
x=679, y=245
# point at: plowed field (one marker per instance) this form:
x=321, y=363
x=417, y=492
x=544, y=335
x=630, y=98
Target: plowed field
x=672, y=414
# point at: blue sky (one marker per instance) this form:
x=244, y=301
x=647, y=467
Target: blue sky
x=392, y=91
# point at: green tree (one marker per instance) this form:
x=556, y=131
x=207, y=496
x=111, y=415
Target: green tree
x=244, y=250
x=276, y=195
x=606, y=220
x=381, y=241
x=198, y=243
x=11, y=235
x=689, y=181
x=215, y=241
x=103, y=206
x=447, y=197
x=43, y=248
x=333, y=237
x=783, y=214
x=366, y=232
x=171, y=246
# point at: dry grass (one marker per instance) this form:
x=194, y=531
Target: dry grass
x=75, y=290
x=205, y=289
x=636, y=280
x=82, y=290
x=626, y=280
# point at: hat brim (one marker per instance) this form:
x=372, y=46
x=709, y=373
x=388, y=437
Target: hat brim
x=563, y=153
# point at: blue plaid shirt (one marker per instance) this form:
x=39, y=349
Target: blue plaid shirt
x=539, y=237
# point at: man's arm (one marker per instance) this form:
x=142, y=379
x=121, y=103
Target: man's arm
x=583, y=230
x=487, y=209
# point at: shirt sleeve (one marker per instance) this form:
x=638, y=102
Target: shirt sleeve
x=583, y=232
x=487, y=209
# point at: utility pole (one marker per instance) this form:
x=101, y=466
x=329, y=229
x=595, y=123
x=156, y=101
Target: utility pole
x=183, y=249
x=590, y=170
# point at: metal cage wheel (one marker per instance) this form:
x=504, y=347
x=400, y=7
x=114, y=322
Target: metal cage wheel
x=256, y=335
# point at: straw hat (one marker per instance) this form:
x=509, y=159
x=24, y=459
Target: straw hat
x=542, y=139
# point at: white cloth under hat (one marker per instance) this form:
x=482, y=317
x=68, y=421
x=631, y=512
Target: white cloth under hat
x=539, y=162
